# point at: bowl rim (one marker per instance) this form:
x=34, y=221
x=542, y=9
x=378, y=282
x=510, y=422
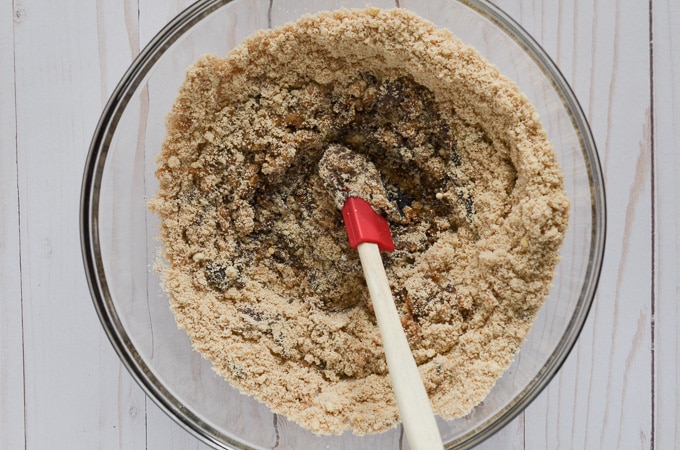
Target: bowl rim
x=96, y=277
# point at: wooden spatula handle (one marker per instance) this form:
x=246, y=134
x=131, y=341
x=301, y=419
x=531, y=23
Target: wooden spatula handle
x=412, y=400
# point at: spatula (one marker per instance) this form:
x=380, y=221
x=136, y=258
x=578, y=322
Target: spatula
x=369, y=233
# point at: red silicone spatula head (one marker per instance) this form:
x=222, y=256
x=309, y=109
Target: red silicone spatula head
x=365, y=225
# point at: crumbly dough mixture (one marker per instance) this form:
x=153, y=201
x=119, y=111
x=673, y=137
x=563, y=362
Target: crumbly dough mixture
x=256, y=260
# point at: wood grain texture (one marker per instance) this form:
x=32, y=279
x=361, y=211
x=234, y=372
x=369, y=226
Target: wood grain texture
x=601, y=397
x=666, y=132
x=76, y=393
x=61, y=385
x=11, y=332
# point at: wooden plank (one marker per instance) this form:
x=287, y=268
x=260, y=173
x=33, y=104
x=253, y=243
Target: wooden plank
x=76, y=392
x=526, y=15
x=601, y=398
x=11, y=330
x=221, y=33
x=666, y=120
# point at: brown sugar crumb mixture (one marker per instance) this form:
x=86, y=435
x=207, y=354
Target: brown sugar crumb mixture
x=257, y=263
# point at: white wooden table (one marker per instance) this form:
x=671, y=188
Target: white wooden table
x=62, y=386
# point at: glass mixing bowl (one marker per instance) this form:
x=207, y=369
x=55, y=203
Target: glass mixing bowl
x=119, y=233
